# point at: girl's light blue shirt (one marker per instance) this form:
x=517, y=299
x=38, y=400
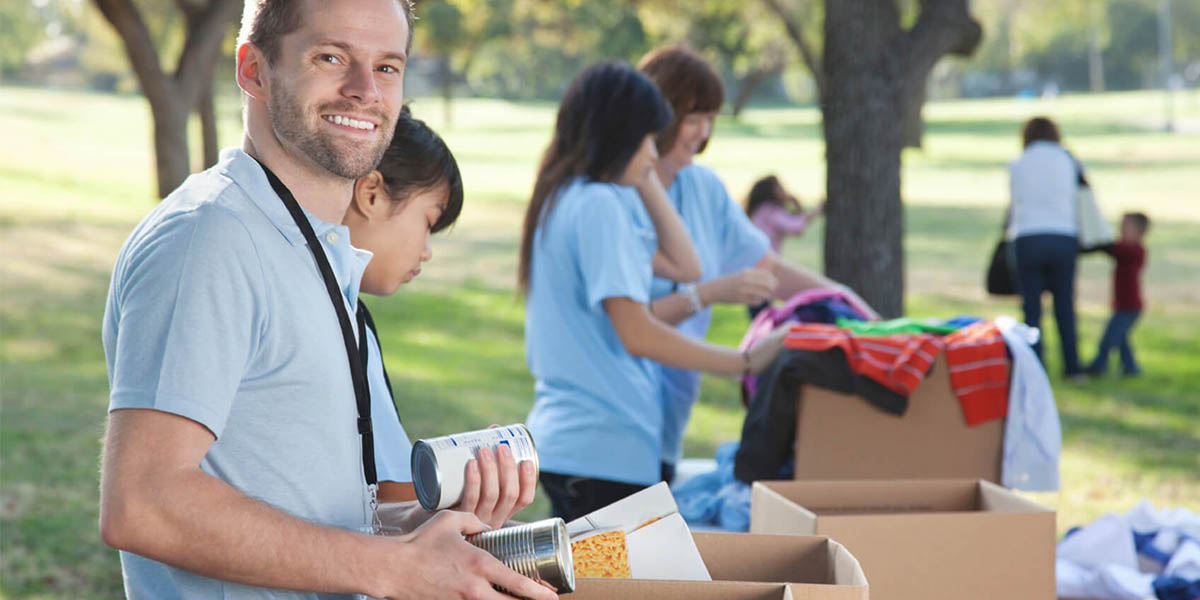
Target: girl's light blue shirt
x=596, y=411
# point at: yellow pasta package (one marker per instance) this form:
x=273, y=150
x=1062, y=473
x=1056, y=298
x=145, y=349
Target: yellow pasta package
x=603, y=555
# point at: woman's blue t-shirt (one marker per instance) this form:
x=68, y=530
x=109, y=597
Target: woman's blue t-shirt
x=726, y=241
x=597, y=411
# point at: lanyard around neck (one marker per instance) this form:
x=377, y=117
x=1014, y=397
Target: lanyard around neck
x=355, y=352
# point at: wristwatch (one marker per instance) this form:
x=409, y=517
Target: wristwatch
x=689, y=291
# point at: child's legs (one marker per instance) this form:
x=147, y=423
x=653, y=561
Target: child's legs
x=1128, y=363
x=1108, y=340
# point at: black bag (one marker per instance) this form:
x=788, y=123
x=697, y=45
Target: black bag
x=1000, y=280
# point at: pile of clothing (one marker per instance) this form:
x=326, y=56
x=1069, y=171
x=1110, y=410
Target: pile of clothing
x=832, y=344
x=992, y=369
x=1144, y=553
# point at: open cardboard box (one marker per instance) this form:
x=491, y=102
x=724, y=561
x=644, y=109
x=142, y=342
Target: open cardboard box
x=750, y=567
x=922, y=539
x=839, y=436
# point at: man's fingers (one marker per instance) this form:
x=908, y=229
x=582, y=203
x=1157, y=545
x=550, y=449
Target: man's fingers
x=517, y=583
x=510, y=483
x=529, y=477
x=471, y=484
x=489, y=484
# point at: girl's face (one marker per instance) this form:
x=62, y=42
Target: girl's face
x=398, y=236
x=694, y=131
x=641, y=164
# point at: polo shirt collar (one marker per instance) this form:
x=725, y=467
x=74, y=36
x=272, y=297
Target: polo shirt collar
x=248, y=174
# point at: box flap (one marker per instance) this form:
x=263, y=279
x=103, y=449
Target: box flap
x=772, y=512
x=846, y=570
x=878, y=496
x=998, y=499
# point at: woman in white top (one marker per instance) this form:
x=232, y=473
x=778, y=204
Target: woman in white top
x=1042, y=226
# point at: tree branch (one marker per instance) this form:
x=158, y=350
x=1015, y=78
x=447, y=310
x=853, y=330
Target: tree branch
x=942, y=27
x=796, y=33
x=206, y=31
x=140, y=50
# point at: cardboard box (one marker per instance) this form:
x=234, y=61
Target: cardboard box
x=922, y=539
x=844, y=437
x=750, y=567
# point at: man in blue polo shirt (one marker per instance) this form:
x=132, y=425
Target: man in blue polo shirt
x=233, y=464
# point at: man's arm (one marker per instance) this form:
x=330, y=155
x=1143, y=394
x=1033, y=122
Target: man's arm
x=156, y=502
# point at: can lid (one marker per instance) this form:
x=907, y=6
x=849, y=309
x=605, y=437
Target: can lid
x=563, y=575
x=427, y=480
x=564, y=556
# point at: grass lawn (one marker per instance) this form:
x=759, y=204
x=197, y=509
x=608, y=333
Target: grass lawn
x=75, y=176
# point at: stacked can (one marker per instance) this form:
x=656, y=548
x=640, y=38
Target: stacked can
x=439, y=464
x=540, y=551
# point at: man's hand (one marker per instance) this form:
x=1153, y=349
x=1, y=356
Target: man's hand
x=436, y=562
x=497, y=487
x=751, y=286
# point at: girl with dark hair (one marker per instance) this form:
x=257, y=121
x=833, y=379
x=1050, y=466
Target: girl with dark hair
x=597, y=229
x=776, y=212
x=1044, y=231
x=415, y=192
x=739, y=266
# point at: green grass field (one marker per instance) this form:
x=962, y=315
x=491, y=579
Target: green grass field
x=75, y=176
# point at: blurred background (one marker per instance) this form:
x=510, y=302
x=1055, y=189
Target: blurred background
x=106, y=105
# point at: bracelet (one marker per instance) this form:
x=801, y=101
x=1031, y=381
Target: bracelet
x=689, y=291
x=746, y=362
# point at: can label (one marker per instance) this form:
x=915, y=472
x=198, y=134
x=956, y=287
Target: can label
x=439, y=464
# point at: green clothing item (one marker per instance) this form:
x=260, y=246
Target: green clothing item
x=893, y=327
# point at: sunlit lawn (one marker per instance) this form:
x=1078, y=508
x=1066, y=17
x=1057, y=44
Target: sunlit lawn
x=75, y=176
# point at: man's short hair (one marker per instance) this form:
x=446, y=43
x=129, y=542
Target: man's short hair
x=265, y=22
x=1139, y=220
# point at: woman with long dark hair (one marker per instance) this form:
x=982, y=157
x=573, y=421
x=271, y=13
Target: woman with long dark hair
x=597, y=229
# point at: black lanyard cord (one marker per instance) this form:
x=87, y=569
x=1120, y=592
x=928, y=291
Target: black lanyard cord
x=355, y=353
x=364, y=318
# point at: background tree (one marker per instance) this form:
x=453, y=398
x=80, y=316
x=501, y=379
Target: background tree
x=173, y=97
x=454, y=32
x=872, y=77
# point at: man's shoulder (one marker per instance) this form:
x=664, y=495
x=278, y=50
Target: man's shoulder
x=209, y=212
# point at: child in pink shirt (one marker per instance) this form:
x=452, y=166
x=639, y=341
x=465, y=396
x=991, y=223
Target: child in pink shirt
x=776, y=212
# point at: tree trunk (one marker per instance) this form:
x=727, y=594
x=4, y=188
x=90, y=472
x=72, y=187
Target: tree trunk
x=1095, y=61
x=171, y=155
x=208, y=125
x=875, y=75
x=862, y=98
x=172, y=98
x=913, y=94
x=746, y=88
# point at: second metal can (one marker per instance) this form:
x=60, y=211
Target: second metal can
x=439, y=464
x=540, y=551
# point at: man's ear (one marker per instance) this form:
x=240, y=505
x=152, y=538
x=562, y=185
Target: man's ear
x=370, y=196
x=251, y=71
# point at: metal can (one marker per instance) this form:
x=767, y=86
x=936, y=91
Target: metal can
x=540, y=551
x=439, y=464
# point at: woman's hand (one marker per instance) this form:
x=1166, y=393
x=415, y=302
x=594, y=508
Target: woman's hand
x=751, y=286
x=764, y=352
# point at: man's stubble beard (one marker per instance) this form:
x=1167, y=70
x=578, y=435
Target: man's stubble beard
x=292, y=125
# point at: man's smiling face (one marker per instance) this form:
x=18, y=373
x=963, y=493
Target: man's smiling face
x=338, y=83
